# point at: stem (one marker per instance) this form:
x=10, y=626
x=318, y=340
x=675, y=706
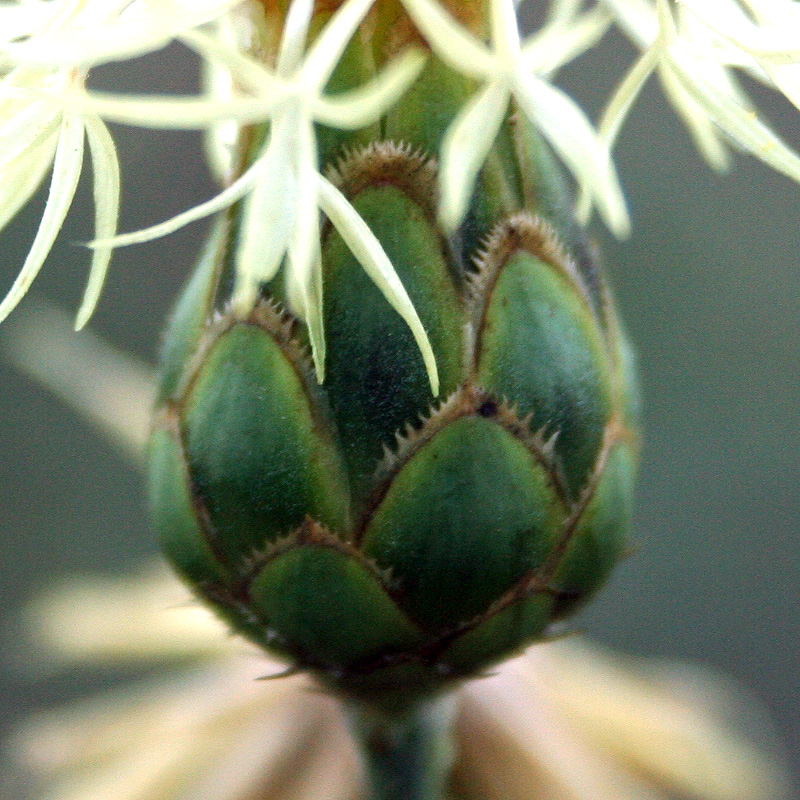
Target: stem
x=407, y=755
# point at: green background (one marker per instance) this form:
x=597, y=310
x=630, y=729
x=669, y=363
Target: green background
x=708, y=285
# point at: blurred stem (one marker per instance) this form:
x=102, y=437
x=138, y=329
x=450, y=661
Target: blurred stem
x=407, y=755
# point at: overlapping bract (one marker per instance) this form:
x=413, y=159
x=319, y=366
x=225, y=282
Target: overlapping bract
x=387, y=545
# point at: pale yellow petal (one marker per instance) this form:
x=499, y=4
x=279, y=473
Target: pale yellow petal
x=293, y=37
x=628, y=709
x=227, y=197
x=515, y=744
x=19, y=181
x=105, y=169
x=568, y=130
x=269, y=214
x=304, y=270
x=369, y=252
x=66, y=172
x=143, y=616
x=707, y=136
x=176, y=738
x=464, y=149
x=457, y=47
x=364, y=105
x=324, y=54
x=174, y=112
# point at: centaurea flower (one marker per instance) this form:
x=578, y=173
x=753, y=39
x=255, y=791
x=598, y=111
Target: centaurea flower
x=46, y=113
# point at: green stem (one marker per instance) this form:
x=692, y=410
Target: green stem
x=407, y=755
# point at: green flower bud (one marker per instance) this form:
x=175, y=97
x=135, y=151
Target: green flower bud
x=386, y=540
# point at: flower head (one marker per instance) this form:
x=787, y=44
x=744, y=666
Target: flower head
x=82, y=33
x=47, y=114
x=38, y=132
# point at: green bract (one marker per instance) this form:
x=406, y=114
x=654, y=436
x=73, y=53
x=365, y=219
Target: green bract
x=384, y=539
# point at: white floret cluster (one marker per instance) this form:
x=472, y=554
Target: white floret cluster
x=47, y=114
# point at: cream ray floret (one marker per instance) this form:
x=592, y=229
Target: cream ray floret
x=283, y=190
x=46, y=47
x=578, y=723
x=695, y=68
x=764, y=31
x=238, y=30
x=510, y=68
x=37, y=131
x=87, y=32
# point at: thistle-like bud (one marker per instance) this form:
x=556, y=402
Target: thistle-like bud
x=387, y=540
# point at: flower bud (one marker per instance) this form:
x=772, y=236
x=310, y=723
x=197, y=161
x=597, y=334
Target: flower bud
x=386, y=540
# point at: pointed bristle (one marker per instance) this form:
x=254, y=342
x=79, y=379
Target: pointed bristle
x=388, y=162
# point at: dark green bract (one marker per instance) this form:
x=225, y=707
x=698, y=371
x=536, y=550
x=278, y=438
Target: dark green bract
x=386, y=540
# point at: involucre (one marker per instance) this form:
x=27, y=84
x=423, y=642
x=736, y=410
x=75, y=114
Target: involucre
x=384, y=539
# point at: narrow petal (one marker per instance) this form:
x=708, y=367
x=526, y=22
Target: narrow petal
x=663, y=720
x=269, y=216
x=304, y=265
x=66, y=172
x=557, y=44
x=626, y=93
x=370, y=254
x=508, y=719
x=637, y=18
x=26, y=128
x=616, y=112
x=105, y=174
x=562, y=12
x=464, y=149
x=172, y=739
x=303, y=242
x=324, y=54
x=571, y=135
x=220, y=140
x=227, y=197
x=16, y=21
x=293, y=38
x=244, y=70
x=457, y=47
x=666, y=21
x=79, y=38
x=362, y=106
x=20, y=180
x=505, y=30
x=741, y=124
x=152, y=111
x=777, y=44
x=707, y=137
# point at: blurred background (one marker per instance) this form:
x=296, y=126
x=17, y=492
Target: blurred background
x=708, y=285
